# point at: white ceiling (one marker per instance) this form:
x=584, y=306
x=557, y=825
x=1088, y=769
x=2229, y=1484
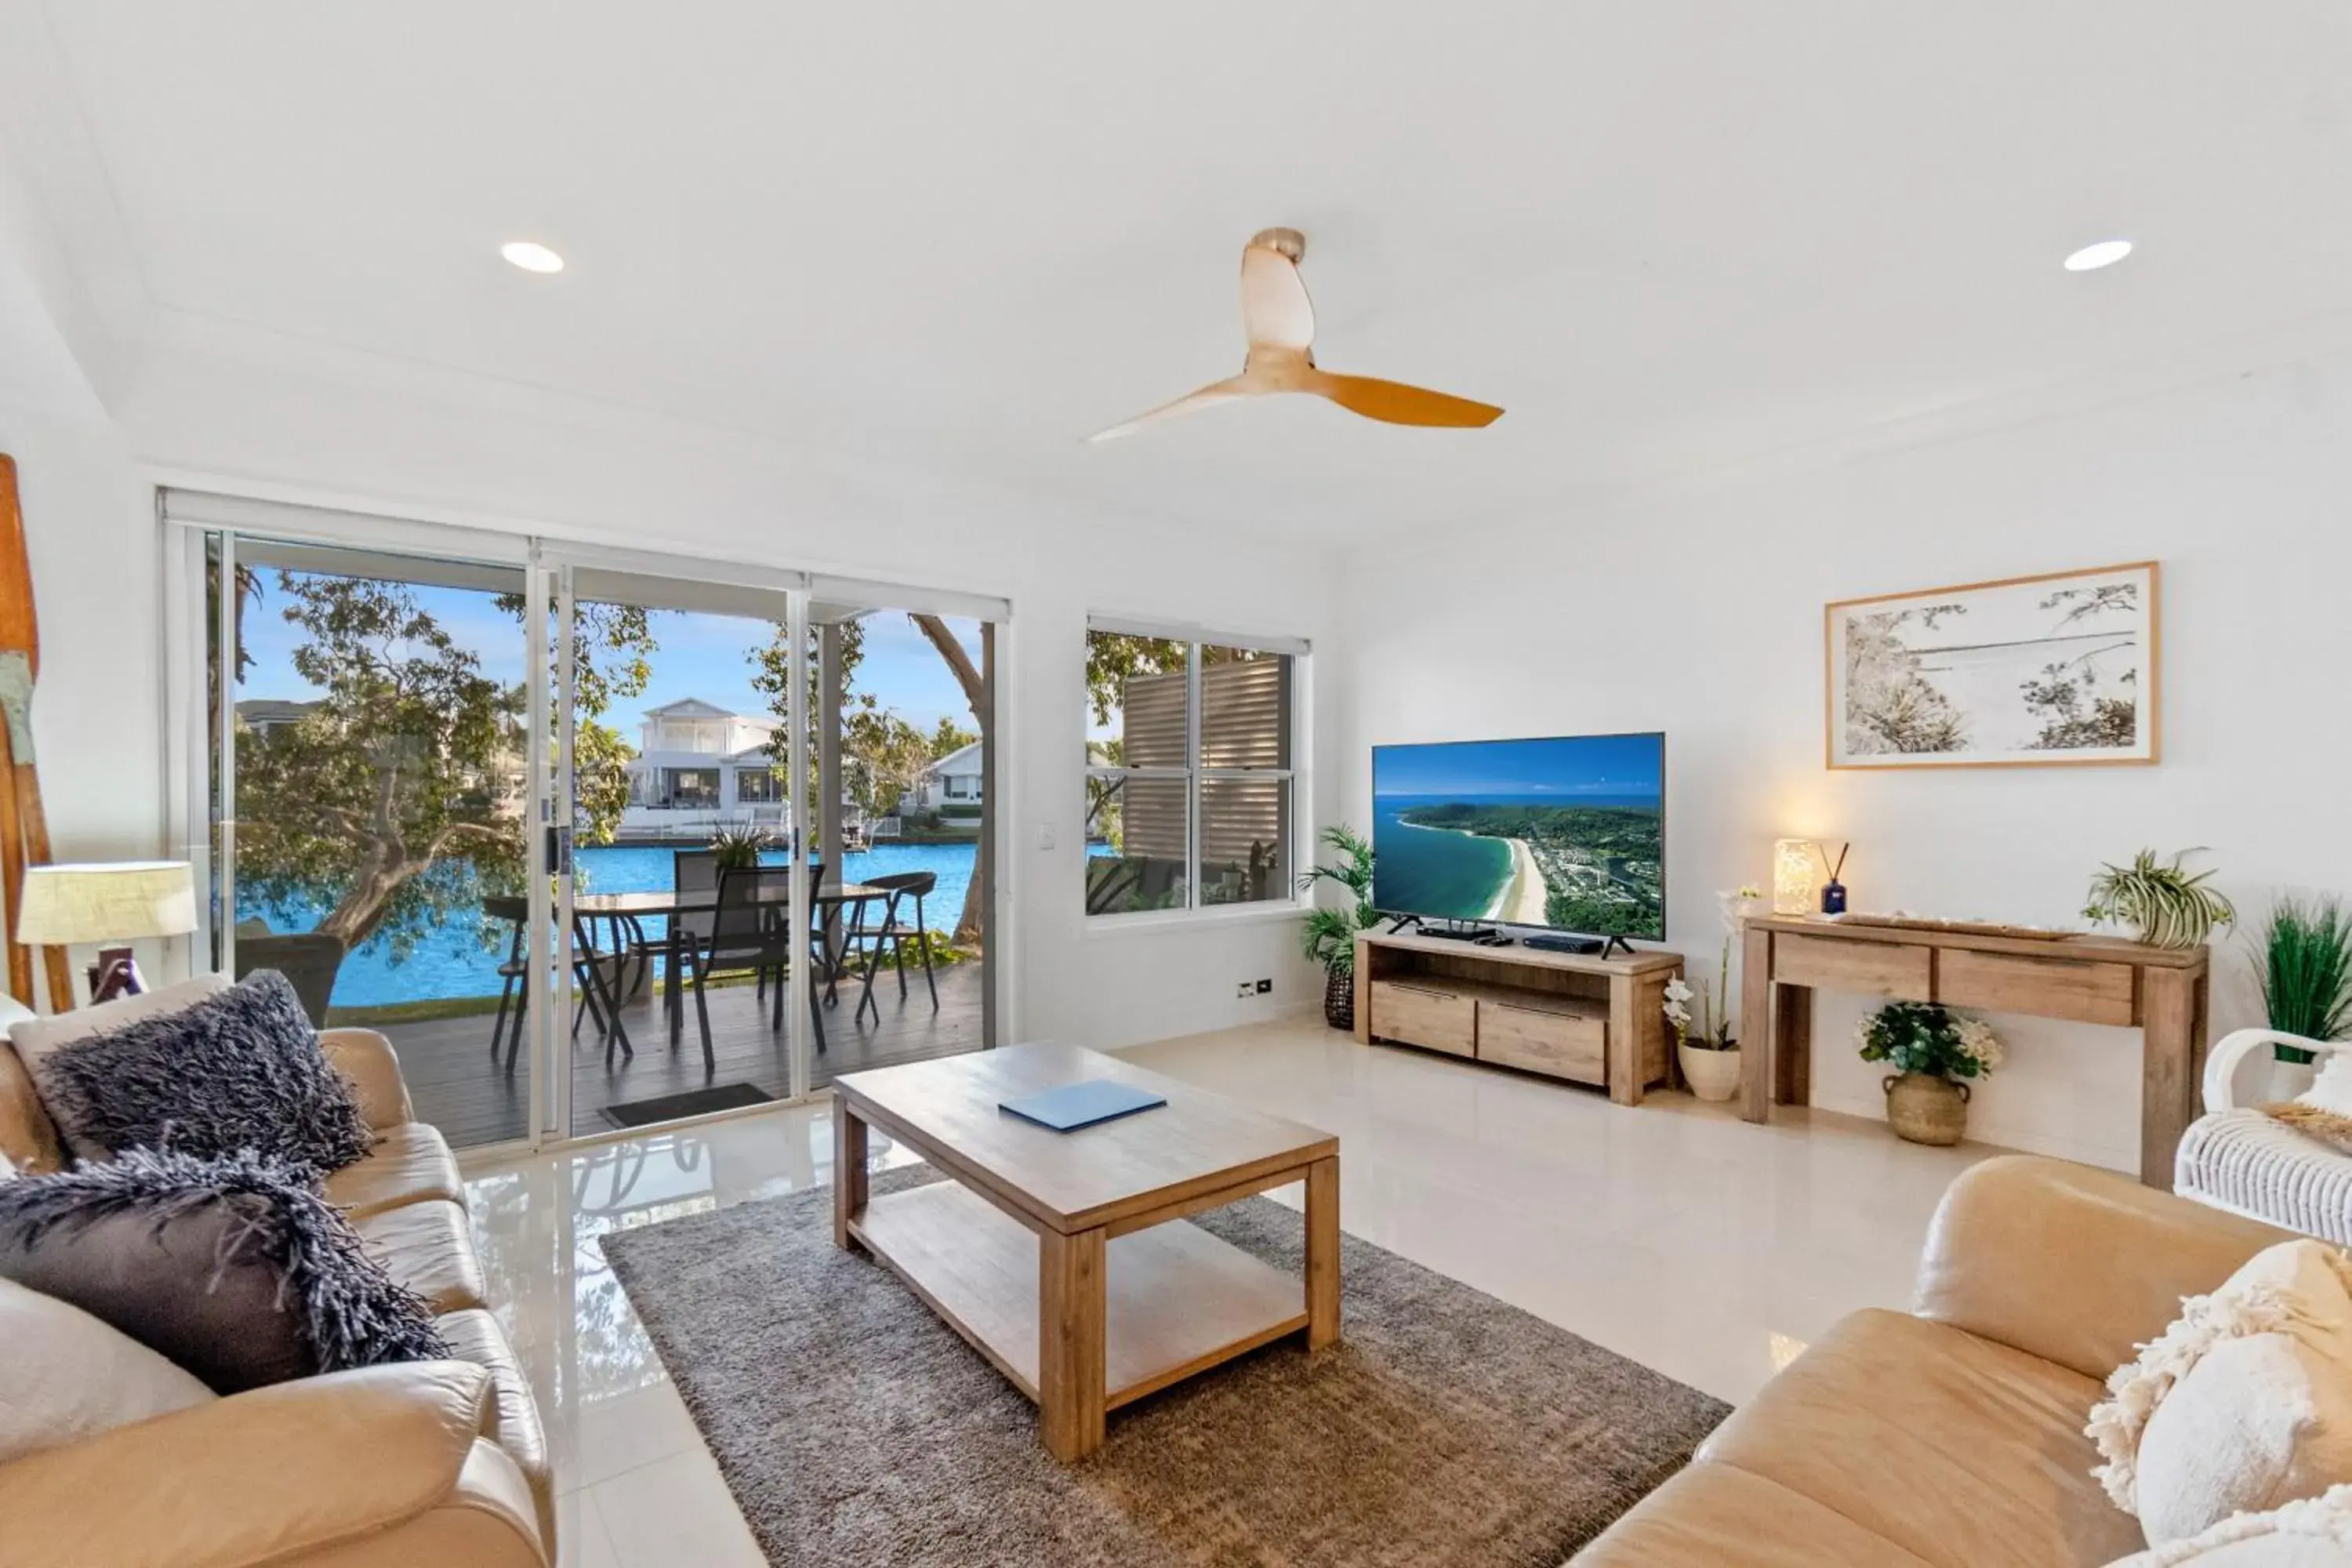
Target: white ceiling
x=958, y=236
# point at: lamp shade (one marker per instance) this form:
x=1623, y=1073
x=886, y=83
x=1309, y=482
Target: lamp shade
x=1796, y=876
x=111, y=903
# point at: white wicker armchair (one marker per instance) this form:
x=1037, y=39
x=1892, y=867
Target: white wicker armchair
x=2235, y=1158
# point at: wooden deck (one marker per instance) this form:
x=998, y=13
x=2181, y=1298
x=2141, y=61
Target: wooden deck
x=461, y=1090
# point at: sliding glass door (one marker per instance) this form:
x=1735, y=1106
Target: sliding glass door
x=674, y=903
x=369, y=761
x=901, y=803
x=599, y=840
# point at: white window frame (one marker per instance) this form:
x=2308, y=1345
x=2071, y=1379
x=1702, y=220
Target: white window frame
x=1193, y=775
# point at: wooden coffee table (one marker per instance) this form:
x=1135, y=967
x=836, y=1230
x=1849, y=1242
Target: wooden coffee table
x=1052, y=1252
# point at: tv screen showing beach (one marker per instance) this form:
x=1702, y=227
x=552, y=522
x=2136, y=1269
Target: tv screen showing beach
x=1564, y=833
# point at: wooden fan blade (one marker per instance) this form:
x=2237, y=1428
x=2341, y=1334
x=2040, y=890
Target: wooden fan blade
x=1275, y=313
x=1209, y=396
x=1397, y=404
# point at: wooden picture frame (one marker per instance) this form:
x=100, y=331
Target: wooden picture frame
x=2056, y=669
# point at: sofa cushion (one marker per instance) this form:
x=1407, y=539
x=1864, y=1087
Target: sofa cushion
x=2243, y=1405
x=475, y=1336
x=2315, y=1533
x=1712, y=1515
x=65, y=1376
x=427, y=1248
x=411, y=1164
x=233, y=1267
x=34, y=1038
x=1961, y=1451
x=241, y=1069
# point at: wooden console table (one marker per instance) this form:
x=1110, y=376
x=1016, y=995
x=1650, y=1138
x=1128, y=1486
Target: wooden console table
x=2091, y=980
x=1598, y=1021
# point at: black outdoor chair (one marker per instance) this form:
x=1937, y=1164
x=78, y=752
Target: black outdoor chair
x=894, y=932
x=750, y=927
x=515, y=993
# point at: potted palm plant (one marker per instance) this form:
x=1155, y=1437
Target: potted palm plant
x=2303, y=965
x=1328, y=937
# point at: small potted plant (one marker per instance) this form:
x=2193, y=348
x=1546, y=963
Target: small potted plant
x=1704, y=1047
x=2303, y=965
x=2165, y=905
x=1328, y=937
x=1933, y=1048
x=737, y=848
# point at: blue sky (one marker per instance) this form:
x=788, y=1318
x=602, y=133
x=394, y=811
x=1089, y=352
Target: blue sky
x=699, y=655
x=1591, y=764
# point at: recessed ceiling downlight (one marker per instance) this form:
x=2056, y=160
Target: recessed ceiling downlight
x=534, y=256
x=2106, y=253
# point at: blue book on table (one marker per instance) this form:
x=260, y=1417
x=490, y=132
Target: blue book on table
x=1077, y=1105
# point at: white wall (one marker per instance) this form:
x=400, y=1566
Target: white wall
x=1701, y=614
x=448, y=449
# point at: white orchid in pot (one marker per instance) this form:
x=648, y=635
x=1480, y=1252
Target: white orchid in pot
x=1701, y=1015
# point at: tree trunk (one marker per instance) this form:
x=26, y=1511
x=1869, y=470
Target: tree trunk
x=968, y=928
x=362, y=908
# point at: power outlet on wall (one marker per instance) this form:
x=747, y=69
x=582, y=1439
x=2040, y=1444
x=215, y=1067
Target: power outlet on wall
x=1242, y=988
x=1265, y=987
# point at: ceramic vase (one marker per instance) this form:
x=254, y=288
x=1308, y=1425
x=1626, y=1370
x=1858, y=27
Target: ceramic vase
x=1924, y=1108
x=1712, y=1075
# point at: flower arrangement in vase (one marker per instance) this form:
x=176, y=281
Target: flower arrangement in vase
x=1931, y=1047
x=1704, y=1047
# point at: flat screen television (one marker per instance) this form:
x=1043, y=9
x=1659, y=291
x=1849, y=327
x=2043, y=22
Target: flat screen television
x=1568, y=833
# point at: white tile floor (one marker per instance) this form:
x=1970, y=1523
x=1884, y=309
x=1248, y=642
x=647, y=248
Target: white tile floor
x=1674, y=1234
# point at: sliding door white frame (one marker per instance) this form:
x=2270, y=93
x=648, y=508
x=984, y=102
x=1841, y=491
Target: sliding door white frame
x=398, y=547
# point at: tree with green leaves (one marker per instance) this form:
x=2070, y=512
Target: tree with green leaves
x=884, y=755
x=382, y=800
x=390, y=801
x=600, y=753
x=949, y=738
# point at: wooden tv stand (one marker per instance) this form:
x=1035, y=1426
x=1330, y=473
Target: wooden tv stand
x=1598, y=1021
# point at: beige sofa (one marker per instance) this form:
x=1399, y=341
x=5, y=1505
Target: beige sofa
x=439, y=1463
x=1952, y=1435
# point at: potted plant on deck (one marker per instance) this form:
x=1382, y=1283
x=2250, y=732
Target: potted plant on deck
x=1704, y=1047
x=1328, y=937
x=1932, y=1048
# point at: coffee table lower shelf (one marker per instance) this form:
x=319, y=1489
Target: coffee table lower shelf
x=1178, y=1300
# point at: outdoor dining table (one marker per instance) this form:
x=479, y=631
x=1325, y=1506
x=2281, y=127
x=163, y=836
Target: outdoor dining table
x=622, y=913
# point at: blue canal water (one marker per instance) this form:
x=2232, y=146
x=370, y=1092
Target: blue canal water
x=455, y=961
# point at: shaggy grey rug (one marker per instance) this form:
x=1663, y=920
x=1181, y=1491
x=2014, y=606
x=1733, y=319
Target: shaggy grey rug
x=856, y=1428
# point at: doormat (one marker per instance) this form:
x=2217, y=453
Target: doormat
x=693, y=1103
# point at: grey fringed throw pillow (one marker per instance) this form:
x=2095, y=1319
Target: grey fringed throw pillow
x=233, y=1268
x=239, y=1070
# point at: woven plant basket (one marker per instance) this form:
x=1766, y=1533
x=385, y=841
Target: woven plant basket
x=1925, y=1108
x=1340, y=999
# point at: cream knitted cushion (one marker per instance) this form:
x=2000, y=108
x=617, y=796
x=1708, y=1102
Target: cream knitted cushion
x=2242, y=1406
x=2314, y=1533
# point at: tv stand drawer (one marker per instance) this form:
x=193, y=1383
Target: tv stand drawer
x=1537, y=1038
x=1425, y=1016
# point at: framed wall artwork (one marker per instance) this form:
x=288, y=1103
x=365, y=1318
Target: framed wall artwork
x=2025, y=671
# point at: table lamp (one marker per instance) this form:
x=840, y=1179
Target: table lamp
x=1794, y=878
x=112, y=902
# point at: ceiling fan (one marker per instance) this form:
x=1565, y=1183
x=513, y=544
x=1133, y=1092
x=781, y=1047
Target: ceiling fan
x=1280, y=325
